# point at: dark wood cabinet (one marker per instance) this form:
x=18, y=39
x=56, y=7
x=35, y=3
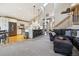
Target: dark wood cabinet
x=12, y=29
x=37, y=33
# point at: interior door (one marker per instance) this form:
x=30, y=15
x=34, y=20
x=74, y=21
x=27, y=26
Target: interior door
x=12, y=29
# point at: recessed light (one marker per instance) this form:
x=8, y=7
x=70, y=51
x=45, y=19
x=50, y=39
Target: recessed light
x=22, y=17
x=73, y=4
x=34, y=6
x=45, y=4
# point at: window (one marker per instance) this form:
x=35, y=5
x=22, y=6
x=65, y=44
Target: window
x=74, y=32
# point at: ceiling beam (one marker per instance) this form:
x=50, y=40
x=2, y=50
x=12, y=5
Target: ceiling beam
x=15, y=18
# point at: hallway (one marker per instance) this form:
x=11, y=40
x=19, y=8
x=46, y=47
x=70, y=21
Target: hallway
x=40, y=46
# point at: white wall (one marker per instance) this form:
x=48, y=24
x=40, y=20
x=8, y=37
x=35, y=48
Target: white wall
x=4, y=24
x=18, y=24
x=65, y=24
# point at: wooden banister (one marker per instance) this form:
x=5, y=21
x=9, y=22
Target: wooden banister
x=61, y=22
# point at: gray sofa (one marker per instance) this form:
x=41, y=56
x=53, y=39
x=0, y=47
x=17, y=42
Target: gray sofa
x=63, y=46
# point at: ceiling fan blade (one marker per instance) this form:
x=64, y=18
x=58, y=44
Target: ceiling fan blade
x=64, y=12
x=67, y=11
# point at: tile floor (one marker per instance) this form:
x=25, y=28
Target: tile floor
x=40, y=46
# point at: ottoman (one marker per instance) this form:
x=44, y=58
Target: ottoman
x=63, y=46
x=51, y=37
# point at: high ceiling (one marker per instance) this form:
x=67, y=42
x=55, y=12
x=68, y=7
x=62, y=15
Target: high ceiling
x=58, y=8
x=24, y=11
x=27, y=12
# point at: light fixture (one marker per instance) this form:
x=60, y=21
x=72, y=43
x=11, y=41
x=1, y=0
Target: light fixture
x=23, y=17
x=45, y=4
x=73, y=4
x=34, y=6
x=42, y=9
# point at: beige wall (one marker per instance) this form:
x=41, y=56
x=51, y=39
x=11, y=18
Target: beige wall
x=65, y=23
x=58, y=8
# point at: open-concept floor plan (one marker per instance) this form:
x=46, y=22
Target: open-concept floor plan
x=40, y=46
x=39, y=29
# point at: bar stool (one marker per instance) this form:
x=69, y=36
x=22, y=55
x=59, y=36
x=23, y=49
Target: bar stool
x=2, y=38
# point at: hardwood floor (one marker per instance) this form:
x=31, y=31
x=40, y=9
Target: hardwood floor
x=16, y=38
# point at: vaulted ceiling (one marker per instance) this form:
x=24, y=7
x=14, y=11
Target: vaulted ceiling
x=24, y=11
x=58, y=8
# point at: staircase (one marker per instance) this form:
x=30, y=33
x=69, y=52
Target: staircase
x=67, y=22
